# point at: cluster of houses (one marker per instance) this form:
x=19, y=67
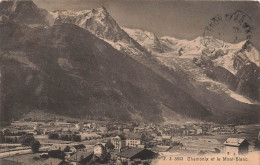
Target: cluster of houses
x=91, y=130
x=120, y=143
x=126, y=151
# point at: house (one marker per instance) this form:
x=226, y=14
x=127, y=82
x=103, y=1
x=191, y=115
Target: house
x=81, y=157
x=89, y=136
x=133, y=153
x=236, y=146
x=118, y=142
x=166, y=137
x=60, y=147
x=126, y=130
x=99, y=150
x=138, y=129
x=79, y=126
x=158, y=139
x=199, y=131
x=103, y=130
x=77, y=148
x=133, y=139
x=185, y=132
x=159, y=149
x=192, y=131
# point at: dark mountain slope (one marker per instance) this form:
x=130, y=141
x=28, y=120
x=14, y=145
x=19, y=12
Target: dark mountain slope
x=67, y=70
x=24, y=11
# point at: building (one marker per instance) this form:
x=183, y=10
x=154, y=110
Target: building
x=99, y=150
x=89, y=136
x=133, y=140
x=77, y=148
x=103, y=130
x=236, y=146
x=80, y=157
x=133, y=153
x=126, y=130
x=79, y=126
x=139, y=129
x=185, y=132
x=199, y=131
x=160, y=149
x=118, y=142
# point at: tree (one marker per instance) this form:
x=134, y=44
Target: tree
x=2, y=138
x=54, y=136
x=67, y=149
x=35, y=145
x=109, y=145
x=76, y=138
x=27, y=140
x=7, y=132
x=57, y=154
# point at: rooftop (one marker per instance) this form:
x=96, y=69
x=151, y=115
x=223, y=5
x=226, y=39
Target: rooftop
x=161, y=148
x=133, y=135
x=79, y=155
x=79, y=146
x=235, y=141
x=130, y=152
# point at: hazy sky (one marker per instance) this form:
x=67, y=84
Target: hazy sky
x=180, y=19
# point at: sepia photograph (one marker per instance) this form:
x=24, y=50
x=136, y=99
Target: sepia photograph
x=129, y=82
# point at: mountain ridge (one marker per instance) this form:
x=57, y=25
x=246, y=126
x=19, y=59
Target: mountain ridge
x=134, y=91
x=82, y=71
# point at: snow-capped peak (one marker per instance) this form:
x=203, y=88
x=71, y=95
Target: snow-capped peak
x=232, y=58
x=145, y=38
x=101, y=24
x=101, y=10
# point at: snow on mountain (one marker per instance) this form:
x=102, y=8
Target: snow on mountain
x=226, y=53
x=100, y=23
x=197, y=75
x=187, y=47
x=195, y=46
x=202, y=59
x=145, y=38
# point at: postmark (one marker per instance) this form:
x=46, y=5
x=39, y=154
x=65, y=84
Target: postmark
x=231, y=27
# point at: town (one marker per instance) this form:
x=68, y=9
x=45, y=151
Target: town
x=57, y=141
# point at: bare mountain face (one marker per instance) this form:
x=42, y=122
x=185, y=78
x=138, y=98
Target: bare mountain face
x=24, y=12
x=73, y=69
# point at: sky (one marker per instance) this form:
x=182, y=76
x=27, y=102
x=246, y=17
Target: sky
x=179, y=19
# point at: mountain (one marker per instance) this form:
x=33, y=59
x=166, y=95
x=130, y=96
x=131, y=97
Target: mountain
x=76, y=67
x=25, y=12
x=101, y=24
x=147, y=39
x=66, y=70
x=234, y=65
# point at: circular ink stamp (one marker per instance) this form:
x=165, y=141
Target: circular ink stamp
x=232, y=27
